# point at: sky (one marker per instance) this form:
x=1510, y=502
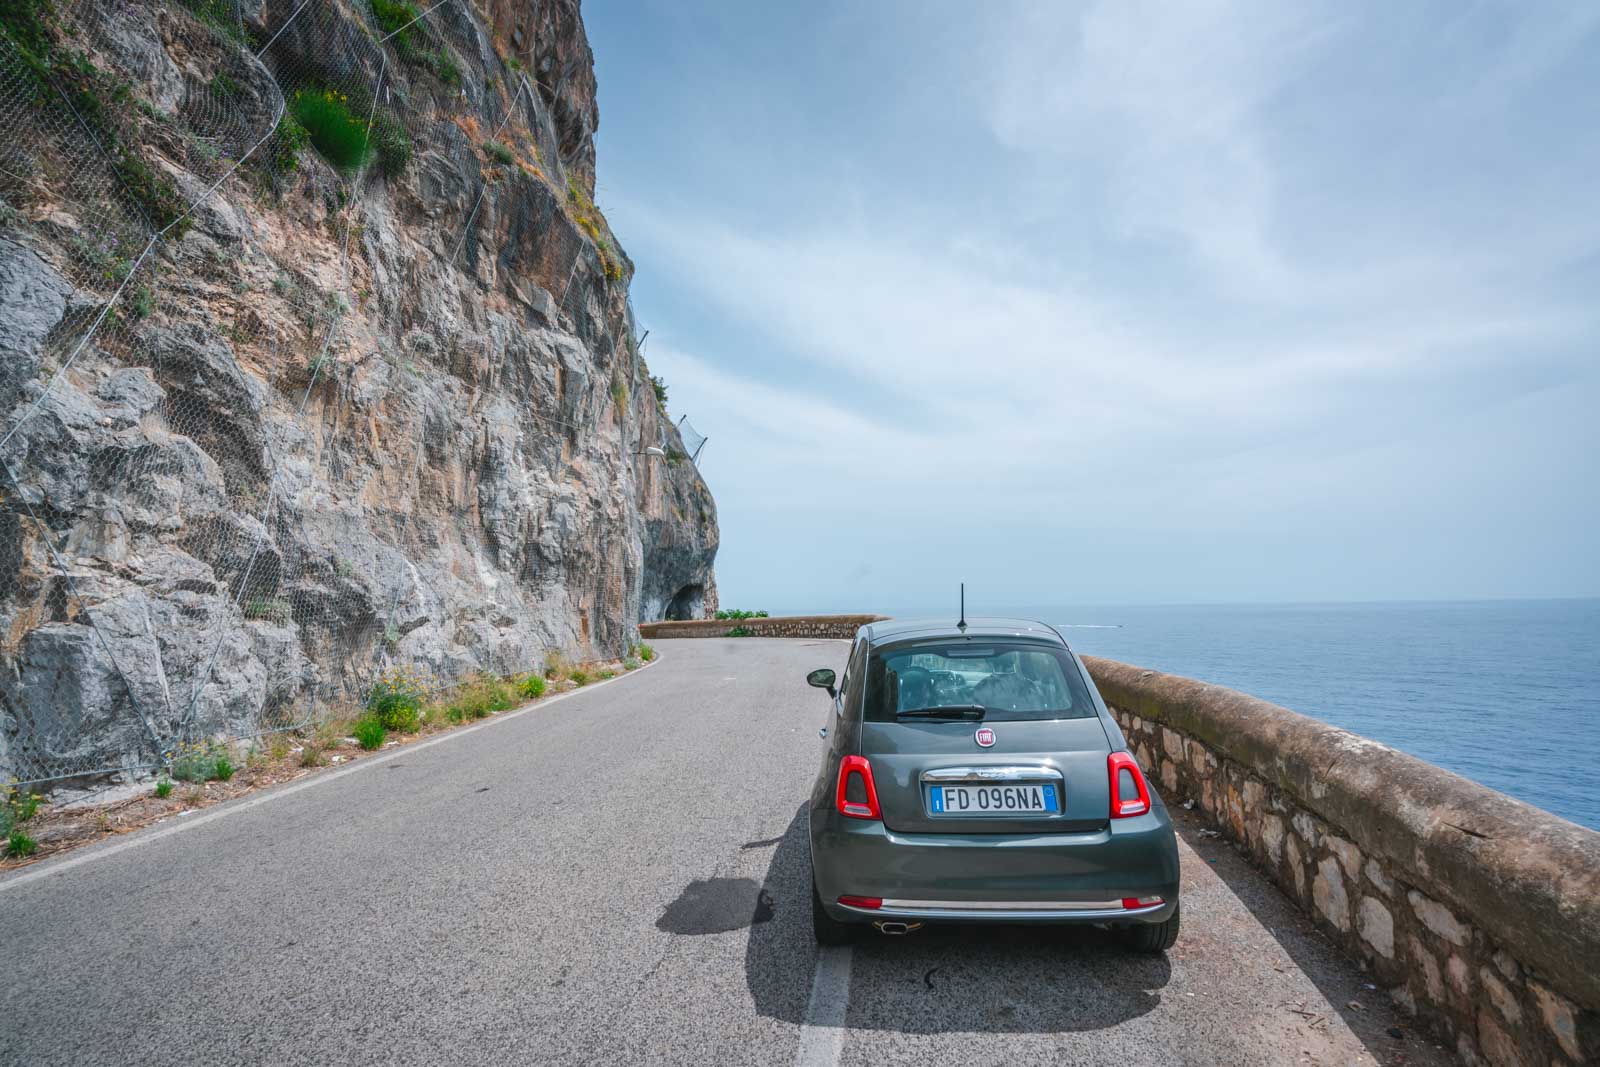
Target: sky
x=1121, y=302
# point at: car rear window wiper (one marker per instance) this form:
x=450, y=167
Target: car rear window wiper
x=946, y=711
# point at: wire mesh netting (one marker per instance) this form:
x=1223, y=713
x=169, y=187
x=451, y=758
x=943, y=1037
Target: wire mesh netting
x=132, y=447
x=693, y=440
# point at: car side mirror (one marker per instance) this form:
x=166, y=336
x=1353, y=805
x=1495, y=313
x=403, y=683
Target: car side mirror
x=822, y=678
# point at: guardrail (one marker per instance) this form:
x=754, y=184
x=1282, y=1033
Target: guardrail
x=1477, y=912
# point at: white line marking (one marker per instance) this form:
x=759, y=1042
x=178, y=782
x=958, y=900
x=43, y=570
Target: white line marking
x=822, y=1035
x=48, y=867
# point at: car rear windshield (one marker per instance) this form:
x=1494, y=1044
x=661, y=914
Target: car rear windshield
x=999, y=681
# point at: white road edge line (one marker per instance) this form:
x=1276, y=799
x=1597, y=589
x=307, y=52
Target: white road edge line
x=46, y=868
x=822, y=1033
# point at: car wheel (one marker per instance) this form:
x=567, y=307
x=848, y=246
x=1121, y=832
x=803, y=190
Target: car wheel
x=827, y=929
x=1154, y=938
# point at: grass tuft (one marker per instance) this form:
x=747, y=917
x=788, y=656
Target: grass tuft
x=445, y=66
x=393, y=143
x=533, y=686
x=578, y=677
x=290, y=137
x=370, y=733
x=555, y=665
x=164, y=788
x=202, y=761
x=481, y=697
x=272, y=610
x=396, y=701
x=337, y=133
x=19, y=844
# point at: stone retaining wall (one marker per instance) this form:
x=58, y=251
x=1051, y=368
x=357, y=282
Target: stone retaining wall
x=1478, y=913
x=825, y=626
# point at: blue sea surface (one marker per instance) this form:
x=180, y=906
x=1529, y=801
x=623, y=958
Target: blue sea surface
x=1503, y=692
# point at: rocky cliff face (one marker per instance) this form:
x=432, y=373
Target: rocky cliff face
x=334, y=420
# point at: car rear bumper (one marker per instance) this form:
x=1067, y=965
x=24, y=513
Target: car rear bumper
x=1030, y=878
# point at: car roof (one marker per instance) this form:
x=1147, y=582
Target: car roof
x=887, y=630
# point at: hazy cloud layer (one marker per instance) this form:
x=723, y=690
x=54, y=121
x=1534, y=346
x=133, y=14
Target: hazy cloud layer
x=1119, y=302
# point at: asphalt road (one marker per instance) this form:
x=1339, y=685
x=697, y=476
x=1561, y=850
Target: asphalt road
x=617, y=876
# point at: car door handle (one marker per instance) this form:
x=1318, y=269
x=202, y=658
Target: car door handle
x=823, y=732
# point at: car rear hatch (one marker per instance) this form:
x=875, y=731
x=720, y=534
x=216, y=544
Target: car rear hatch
x=1035, y=777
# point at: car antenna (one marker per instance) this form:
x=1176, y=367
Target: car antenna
x=962, y=625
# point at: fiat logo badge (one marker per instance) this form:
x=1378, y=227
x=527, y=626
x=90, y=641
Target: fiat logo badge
x=984, y=737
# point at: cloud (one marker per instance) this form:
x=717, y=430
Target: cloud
x=1200, y=280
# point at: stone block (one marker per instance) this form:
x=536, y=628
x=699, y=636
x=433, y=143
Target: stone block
x=1349, y=855
x=1379, y=880
x=1424, y=961
x=1236, y=813
x=1438, y=918
x=1504, y=1000
x=1559, y=1017
x=1495, y=1044
x=1377, y=926
x=1306, y=827
x=1328, y=893
x=1272, y=839
x=1172, y=742
x=1252, y=793
x=1294, y=856
x=1460, y=976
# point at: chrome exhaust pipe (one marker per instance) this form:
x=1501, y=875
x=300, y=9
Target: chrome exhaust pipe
x=896, y=929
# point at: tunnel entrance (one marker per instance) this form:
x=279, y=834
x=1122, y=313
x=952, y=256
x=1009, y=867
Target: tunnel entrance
x=686, y=603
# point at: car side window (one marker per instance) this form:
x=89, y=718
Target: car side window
x=850, y=688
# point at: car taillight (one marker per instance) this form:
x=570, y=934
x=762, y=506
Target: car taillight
x=1129, y=795
x=870, y=903
x=1141, y=902
x=856, y=796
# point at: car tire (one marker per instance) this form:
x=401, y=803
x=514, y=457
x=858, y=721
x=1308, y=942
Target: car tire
x=827, y=929
x=1153, y=938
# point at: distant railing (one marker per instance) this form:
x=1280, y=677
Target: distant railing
x=820, y=626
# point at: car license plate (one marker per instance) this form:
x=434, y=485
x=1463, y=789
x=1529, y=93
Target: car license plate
x=1019, y=801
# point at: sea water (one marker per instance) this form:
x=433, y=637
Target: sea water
x=1503, y=692
x=1506, y=692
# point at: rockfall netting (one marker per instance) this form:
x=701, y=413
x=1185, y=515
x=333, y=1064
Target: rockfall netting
x=100, y=671
x=693, y=440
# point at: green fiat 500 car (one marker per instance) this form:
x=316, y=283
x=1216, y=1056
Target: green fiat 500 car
x=974, y=774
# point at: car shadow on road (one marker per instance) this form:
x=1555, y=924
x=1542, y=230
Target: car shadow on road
x=1022, y=979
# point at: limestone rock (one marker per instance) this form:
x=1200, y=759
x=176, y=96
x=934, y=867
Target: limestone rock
x=34, y=297
x=313, y=461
